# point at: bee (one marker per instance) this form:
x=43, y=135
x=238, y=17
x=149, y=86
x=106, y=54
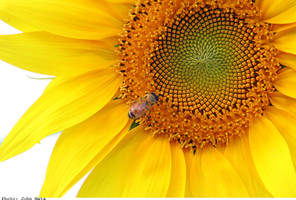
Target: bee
x=140, y=107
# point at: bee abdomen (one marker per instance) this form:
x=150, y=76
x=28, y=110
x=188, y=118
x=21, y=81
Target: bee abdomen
x=131, y=115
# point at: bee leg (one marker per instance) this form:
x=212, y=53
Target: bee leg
x=134, y=124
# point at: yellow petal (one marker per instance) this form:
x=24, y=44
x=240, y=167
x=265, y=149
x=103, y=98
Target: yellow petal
x=16, y=22
x=59, y=108
x=286, y=41
x=213, y=176
x=286, y=82
x=288, y=60
x=118, y=9
x=283, y=27
x=140, y=166
x=131, y=2
x=279, y=11
x=283, y=102
x=189, y=157
x=272, y=158
x=285, y=123
x=69, y=18
x=178, y=175
x=121, y=8
x=238, y=153
x=152, y=175
x=83, y=147
x=46, y=53
x=266, y=7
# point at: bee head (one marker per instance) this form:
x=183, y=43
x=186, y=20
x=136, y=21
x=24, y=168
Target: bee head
x=155, y=96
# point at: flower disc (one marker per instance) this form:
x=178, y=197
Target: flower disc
x=205, y=68
x=207, y=62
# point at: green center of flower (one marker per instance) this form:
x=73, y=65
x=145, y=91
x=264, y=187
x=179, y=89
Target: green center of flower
x=202, y=61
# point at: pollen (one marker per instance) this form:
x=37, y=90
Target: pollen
x=209, y=62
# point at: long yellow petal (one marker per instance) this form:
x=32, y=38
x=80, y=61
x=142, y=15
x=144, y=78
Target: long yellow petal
x=272, y=158
x=131, y=2
x=59, y=108
x=286, y=41
x=189, y=157
x=109, y=178
x=213, y=176
x=285, y=123
x=88, y=138
x=17, y=22
x=46, y=53
x=278, y=11
x=153, y=174
x=286, y=82
x=268, y=8
x=283, y=27
x=238, y=153
x=288, y=60
x=138, y=167
x=121, y=8
x=283, y=102
x=69, y=18
x=178, y=175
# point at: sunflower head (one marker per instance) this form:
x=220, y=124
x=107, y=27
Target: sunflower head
x=211, y=84
x=209, y=63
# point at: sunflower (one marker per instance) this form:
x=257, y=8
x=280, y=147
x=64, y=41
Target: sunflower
x=209, y=87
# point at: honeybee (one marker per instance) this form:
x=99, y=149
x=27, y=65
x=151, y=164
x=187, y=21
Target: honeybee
x=140, y=107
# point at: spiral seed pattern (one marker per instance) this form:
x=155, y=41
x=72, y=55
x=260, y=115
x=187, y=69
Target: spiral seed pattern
x=208, y=61
x=205, y=61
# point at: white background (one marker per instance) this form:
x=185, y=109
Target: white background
x=23, y=175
